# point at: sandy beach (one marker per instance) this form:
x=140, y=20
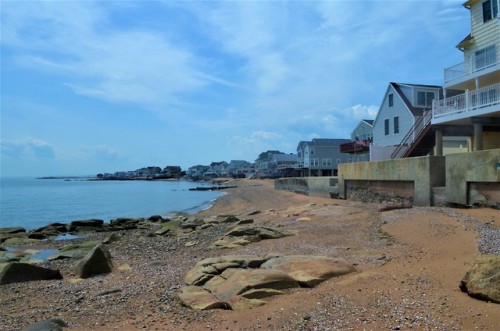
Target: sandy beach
x=409, y=263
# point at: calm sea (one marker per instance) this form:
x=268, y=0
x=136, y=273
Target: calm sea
x=33, y=203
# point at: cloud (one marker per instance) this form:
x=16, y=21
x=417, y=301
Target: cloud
x=334, y=123
x=27, y=149
x=129, y=64
x=257, y=142
x=100, y=152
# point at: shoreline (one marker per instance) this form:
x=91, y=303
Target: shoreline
x=409, y=264
x=164, y=201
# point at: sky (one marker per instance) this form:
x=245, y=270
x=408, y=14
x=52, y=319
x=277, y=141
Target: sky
x=104, y=86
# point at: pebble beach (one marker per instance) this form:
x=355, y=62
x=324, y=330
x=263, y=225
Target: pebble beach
x=409, y=263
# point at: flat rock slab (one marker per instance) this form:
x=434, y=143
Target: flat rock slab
x=244, y=235
x=309, y=271
x=15, y=272
x=482, y=281
x=239, y=281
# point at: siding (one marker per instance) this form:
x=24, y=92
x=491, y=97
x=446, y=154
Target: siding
x=399, y=109
x=485, y=34
x=362, y=131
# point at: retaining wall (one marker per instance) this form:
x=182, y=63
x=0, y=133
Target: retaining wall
x=424, y=172
x=473, y=177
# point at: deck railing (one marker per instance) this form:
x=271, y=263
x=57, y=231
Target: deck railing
x=487, y=58
x=470, y=100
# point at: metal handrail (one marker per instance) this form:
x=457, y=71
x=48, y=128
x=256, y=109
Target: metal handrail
x=412, y=130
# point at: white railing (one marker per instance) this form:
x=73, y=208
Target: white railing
x=467, y=101
x=475, y=63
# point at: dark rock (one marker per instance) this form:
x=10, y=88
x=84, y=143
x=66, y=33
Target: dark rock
x=38, y=236
x=12, y=230
x=255, y=212
x=15, y=272
x=51, y=324
x=97, y=261
x=245, y=221
x=158, y=219
x=88, y=223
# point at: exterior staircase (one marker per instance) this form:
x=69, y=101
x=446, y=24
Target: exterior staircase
x=419, y=139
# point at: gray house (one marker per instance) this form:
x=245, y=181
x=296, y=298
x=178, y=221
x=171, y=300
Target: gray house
x=358, y=149
x=320, y=157
x=403, y=106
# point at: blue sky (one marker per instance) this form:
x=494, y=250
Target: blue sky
x=103, y=86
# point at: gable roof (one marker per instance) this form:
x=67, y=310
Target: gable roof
x=416, y=111
x=369, y=122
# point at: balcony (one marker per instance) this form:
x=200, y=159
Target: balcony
x=484, y=60
x=468, y=104
x=355, y=146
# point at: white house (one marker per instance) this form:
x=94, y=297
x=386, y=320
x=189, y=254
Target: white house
x=404, y=111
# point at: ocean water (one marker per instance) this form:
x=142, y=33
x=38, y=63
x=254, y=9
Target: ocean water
x=33, y=203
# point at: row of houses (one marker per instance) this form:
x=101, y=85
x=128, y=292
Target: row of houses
x=463, y=115
x=152, y=172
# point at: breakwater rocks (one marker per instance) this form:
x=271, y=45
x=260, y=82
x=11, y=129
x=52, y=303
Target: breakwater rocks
x=19, y=235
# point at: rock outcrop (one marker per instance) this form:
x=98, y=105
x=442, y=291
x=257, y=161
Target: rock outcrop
x=15, y=272
x=482, y=281
x=51, y=324
x=96, y=262
x=240, y=281
x=244, y=235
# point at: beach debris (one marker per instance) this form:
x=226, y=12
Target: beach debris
x=482, y=280
x=96, y=262
x=51, y=324
x=16, y=272
x=244, y=235
x=238, y=282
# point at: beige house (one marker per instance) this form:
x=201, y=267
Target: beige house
x=471, y=102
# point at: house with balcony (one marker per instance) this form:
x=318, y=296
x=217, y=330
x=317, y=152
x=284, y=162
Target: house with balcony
x=320, y=157
x=471, y=96
x=405, y=111
x=358, y=148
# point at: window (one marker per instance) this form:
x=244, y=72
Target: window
x=485, y=57
x=386, y=127
x=314, y=162
x=312, y=151
x=391, y=100
x=490, y=10
x=299, y=154
x=424, y=99
x=396, y=124
x=326, y=162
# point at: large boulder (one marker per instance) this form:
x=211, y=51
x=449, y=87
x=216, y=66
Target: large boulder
x=97, y=261
x=309, y=271
x=15, y=272
x=482, y=281
x=238, y=282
